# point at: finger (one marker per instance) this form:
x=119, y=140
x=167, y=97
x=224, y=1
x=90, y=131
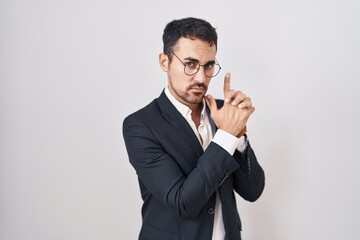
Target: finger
x=210, y=101
x=229, y=95
x=245, y=103
x=226, y=86
x=239, y=97
x=251, y=110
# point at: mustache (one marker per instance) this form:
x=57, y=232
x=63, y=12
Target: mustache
x=198, y=85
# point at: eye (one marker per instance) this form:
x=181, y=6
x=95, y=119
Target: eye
x=191, y=65
x=209, y=66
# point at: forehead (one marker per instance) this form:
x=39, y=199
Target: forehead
x=195, y=48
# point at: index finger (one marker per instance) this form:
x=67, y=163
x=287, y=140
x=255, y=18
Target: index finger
x=226, y=84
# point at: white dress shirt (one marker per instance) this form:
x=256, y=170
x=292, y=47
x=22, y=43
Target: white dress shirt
x=205, y=135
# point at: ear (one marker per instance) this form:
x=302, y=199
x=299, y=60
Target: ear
x=164, y=61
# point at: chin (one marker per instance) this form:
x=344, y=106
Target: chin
x=196, y=100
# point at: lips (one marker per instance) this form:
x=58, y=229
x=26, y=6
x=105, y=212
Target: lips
x=198, y=87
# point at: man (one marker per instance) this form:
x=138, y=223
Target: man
x=190, y=152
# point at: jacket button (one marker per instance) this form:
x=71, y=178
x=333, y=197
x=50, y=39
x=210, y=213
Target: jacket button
x=211, y=211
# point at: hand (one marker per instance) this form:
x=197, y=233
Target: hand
x=233, y=116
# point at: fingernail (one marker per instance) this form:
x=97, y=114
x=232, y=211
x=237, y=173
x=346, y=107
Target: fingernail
x=227, y=100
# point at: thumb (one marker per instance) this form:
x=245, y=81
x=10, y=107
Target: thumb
x=210, y=101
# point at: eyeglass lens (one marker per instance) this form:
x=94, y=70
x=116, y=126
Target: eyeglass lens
x=211, y=70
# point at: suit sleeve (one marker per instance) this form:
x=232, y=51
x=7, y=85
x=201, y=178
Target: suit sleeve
x=161, y=175
x=249, y=178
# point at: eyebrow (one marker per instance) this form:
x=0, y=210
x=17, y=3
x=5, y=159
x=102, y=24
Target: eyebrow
x=195, y=60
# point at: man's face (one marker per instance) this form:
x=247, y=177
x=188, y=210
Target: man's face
x=189, y=90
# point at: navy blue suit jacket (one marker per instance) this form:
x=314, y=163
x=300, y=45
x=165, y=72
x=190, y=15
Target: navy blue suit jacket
x=178, y=179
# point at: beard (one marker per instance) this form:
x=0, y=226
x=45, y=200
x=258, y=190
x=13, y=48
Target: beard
x=191, y=97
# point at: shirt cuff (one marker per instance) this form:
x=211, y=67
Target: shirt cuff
x=227, y=141
x=242, y=144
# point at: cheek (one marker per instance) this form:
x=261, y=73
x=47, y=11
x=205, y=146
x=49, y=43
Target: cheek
x=178, y=84
x=179, y=80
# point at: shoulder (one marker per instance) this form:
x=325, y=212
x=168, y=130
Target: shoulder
x=146, y=112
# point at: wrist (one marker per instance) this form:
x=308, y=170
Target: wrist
x=243, y=131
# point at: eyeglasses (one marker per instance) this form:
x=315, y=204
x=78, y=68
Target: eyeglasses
x=211, y=69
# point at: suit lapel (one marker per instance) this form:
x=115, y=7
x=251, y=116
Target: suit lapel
x=212, y=123
x=173, y=116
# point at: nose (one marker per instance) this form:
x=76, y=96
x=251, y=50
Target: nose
x=200, y=75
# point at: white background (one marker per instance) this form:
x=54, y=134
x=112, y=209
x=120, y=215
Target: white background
x=71, y=71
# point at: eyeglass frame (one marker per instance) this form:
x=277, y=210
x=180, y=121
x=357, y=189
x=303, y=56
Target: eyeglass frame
x=200, y=65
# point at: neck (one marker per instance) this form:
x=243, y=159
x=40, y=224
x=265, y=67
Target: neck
x=195, y=113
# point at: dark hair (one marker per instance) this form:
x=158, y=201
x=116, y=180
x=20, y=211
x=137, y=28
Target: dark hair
x=193, y=28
